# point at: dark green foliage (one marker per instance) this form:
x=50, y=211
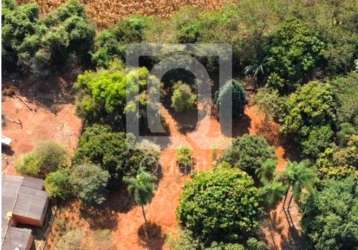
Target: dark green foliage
x=115, y=152
x=311, y=117
x=220, y=205
x=330, y=216
x=232, y=91
x=113, y=42
x=43, y=45
x=58, y=184
x=249, y=153
x=89, y=183
x=46, y=157
x=103, y=96
x=292, y=54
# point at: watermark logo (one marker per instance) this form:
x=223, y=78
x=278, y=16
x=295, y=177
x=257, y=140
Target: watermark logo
x=204, y=61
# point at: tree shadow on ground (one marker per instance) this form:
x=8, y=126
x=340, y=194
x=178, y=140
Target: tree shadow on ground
x=239, y=127
x=105, y=216
x=294, y=241
x=49, y=92
x=151, y=236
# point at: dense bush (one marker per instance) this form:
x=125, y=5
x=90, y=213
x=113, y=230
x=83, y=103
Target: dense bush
x=103, y=95
x=115, y=152
x=231, y=94
x=330, y=216
x=41, y=46
x=249, y=153
x=46, y=157
x=339, y=162
x=183, y=98
x=293, y=52
x=58, y=184
x=220, y=205
x=311, y=117
x=113, y=42
x=271, y=103
x=89, y=183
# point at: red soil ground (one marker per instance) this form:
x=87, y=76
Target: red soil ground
x=40, y=123
x=30, y=123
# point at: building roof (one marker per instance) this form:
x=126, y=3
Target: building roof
x=23, y=201
x=17, y=238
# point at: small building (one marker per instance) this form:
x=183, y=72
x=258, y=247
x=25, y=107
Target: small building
x=24, y=203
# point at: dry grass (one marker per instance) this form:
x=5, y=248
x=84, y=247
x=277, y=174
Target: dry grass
x=107, y=12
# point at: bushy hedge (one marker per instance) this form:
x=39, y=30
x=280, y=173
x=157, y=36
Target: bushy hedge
x=183, y=98
x=42, y=46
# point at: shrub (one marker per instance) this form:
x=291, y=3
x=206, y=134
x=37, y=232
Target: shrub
x=58, y=185
x=70, y=241
x=271, y=103
x=89, y=183
x=113, y=43
x=221, y=204
x=183, y=98
x=185, y=159
x=293, y=52
x=47, y=157
x=115, y=152
x=330, y=215
x=249, y=153
x=102, y=95
x=311, y=111
x=231, y=95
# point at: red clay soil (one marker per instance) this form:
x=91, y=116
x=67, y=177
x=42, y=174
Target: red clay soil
x=28, y=123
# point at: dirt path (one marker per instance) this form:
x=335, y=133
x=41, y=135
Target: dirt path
x=161, y=211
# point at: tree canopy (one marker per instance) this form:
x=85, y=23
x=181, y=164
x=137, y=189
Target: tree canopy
x=220, y=205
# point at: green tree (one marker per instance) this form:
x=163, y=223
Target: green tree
x=45, y=158
x=299, y=177
x=330, y=216
x=249, y=152
x=311, y=117
x=115, y=152
x=42, y=46
x=58, y=184
x=267, y=170
x=112, y=43
x=271, y=103
x=220, y=205
x=142, y=188
x=293, y=52
x=231, y=95
x=183, y=98
x=90, y=183
x=103, y=95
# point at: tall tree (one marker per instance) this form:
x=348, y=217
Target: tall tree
x=299, y=177
x=141, y=187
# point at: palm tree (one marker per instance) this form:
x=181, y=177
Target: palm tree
x=141, y=187
x=299, y=177
x=267, y=171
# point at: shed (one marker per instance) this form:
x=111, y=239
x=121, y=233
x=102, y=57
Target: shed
x=17, y=238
